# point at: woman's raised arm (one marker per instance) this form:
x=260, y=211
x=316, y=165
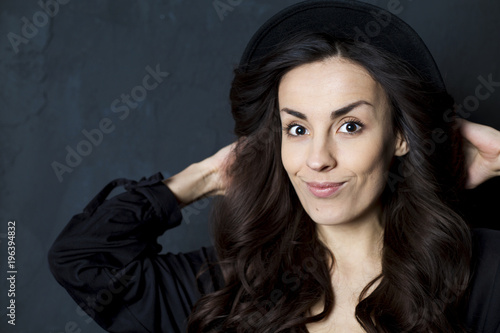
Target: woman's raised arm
x=202, y=179
x=482, y=150
x=107, y=257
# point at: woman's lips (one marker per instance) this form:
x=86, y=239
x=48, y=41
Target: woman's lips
x=324, y=190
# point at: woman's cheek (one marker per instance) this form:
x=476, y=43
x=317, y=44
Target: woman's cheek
x=291, y=155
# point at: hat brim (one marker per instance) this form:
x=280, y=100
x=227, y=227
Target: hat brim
x=345, y=19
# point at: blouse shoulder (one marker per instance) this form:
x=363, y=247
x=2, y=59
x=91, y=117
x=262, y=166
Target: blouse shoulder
x=488, y=237
x=484, y=302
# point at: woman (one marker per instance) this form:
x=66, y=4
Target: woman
x=336, y=214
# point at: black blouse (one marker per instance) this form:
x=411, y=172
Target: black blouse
x=108, y=260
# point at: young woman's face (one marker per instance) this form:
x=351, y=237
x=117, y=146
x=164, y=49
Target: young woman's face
x=338, y=139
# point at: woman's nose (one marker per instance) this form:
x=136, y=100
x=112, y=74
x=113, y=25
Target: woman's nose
x=321, y=155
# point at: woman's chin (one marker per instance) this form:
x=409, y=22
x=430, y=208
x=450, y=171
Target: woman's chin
x=326, y=218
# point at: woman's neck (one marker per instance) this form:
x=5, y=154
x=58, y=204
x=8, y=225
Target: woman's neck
x=356, y=246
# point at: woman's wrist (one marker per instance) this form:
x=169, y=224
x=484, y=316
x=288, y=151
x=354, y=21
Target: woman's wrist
x=495, y=147
x=497, y=171
x=196, y=181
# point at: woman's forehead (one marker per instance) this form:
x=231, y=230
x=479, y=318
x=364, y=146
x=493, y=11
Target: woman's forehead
x=331, y=83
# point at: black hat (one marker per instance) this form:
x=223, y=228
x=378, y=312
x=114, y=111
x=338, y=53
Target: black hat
x=346, y=19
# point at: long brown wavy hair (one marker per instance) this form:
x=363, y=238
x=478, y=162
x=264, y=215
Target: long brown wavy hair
x=274, y=266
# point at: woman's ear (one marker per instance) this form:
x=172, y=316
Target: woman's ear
x=401, y=146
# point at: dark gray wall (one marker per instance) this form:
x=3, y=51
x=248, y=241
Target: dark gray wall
x=65, y=76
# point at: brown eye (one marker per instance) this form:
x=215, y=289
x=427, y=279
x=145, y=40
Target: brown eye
x=350, y=127
x=297, y=130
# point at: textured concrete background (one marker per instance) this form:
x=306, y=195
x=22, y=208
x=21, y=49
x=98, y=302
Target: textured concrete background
x=67, y=75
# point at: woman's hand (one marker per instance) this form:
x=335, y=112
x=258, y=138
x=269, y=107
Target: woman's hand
x=217, y=166
x=482, y=152
x=205, y=178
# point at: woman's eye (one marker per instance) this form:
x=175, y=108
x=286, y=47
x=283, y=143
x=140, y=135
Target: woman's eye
x=350, y=127
x=297, y=130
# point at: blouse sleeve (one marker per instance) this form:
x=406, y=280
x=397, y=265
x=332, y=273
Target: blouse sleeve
x=108, y=260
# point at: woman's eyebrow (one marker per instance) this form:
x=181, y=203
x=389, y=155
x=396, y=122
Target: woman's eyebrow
x=335, y=114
